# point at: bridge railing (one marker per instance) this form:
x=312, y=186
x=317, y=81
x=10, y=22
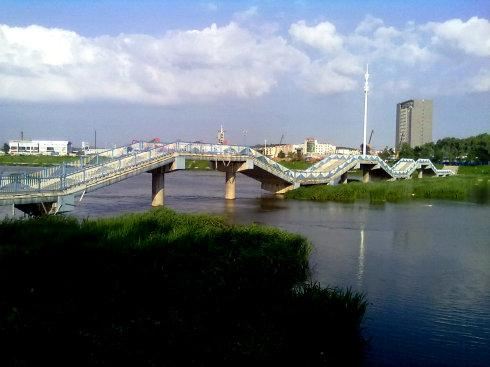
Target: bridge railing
x=119, y=159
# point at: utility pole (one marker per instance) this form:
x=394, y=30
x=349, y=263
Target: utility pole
x=366, y=91
x=245, y=137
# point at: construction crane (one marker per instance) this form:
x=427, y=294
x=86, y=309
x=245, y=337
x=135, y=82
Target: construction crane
x=282, y=138
x=368, y=145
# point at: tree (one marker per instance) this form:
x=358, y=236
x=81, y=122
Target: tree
x=385, y=154
x=281, y=154
x=6, y=148
x=406, y=151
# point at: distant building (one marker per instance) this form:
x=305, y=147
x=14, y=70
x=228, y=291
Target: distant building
x=273, y=150
x=413, y=122
x=347, y=151
x=312, y=148
x=39, y=147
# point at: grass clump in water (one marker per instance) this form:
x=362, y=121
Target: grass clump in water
x=35, y=160
x=461, y=187
x=162, y=288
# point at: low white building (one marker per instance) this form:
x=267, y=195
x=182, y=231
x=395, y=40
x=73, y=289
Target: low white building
x=39, y=147
x=347, y=151
x=313, y=148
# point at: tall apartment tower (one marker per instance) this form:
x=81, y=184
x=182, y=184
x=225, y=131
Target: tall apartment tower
x=413, y=122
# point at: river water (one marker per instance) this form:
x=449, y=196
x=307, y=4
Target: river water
x=424, y=266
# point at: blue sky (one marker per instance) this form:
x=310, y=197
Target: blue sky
x=177, y=70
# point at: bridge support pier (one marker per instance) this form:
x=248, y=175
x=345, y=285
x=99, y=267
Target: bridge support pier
x=420, y=173
x=366, y=176
x=343, y=178
x=230, y=183
x=157, y=187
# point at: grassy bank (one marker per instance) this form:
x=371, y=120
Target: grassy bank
x=34, y=160
x=466, y=187
x=297, y=165
x=197, y=165
x=161, y=288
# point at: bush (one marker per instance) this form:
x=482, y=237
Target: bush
x=162, y=288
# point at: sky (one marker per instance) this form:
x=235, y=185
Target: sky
x=265, y=70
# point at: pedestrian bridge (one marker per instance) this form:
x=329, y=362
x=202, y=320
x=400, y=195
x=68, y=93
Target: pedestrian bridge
x=53, y=190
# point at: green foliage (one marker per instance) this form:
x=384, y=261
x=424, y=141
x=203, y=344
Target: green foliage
x=386, y=154
x=475, y=149
x=297, y=165
x=406, y=151
x=6, y=148
x=35, y=160
x=162, y=288
x=281, y=155
x=197, y=165
x=467, y=187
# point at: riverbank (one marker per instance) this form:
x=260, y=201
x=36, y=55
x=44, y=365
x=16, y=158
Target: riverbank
x=34, y=160
x=162, y=288
x=472, y=184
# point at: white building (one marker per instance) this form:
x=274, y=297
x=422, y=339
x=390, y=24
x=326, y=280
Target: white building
x=274, y=150
x=347, y=151
x=40, y=147
x=313, y=148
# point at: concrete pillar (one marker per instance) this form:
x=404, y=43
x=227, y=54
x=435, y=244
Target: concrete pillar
x=365, y=173
x=420, y=173
x=230, y=183
x=157, y=188
x=343, y=178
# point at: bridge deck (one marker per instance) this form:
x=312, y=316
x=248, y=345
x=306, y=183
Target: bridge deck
x=114, y=165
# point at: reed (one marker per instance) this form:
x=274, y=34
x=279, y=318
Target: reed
x=462, y=187
x=162, y=288
x=34, y=160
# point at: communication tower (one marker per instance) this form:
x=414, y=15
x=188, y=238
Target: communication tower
x=221, y=135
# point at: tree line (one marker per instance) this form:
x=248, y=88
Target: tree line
x=471, y=150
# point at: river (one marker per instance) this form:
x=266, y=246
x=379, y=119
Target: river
x=424, y=266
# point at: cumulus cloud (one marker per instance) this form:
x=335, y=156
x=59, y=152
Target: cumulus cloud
x=472, y=36
x=38, y=63
x=480, y=82
x=322, y=36
x=234, y=60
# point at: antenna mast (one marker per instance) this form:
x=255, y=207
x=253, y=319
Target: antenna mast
x=366, y=91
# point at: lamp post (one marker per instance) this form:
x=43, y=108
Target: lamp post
x=366, y=91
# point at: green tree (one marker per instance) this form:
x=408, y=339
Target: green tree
x=6, y=148
x=281, y=154
x=386, y=153
x=406, y=151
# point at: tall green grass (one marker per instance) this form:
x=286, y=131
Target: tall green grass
x=297, y=165
x=197, y=165
x=35, y=160
x=469, y=188
x=161, y=288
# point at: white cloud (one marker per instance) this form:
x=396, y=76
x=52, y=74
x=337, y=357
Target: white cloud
x=325, y=78
x=323, y=36
x=41, y=64
x=369, y=24
x=480, y=82
x=472, y=36
x=50, y=64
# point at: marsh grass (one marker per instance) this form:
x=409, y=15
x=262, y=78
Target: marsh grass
x=296, y=165
x=462, y=187
x=197, y=165
x=35, y=160
x=161, y=288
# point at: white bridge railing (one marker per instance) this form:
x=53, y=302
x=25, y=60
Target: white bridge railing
x=119, y=160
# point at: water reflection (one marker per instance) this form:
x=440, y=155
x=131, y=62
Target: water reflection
x=360, y=272
x=426, y=274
